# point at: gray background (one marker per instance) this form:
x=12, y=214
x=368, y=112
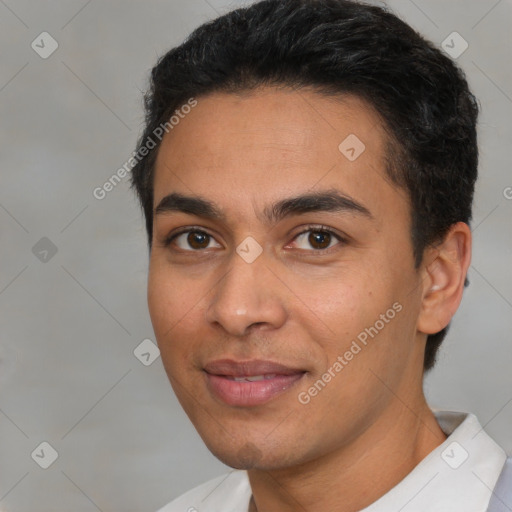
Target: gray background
x=70, y=324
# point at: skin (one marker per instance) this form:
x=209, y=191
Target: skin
x=297, y=304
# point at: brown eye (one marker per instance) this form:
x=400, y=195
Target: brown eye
x=193, y=240
x=319, y=239
x=198, y=240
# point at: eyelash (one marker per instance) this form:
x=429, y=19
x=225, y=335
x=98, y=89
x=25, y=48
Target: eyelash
x=314, y=228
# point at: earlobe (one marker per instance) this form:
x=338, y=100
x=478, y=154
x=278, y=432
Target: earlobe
x=445, y=270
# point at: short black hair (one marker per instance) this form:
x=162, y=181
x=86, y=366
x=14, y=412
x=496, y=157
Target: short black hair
x=337, y=47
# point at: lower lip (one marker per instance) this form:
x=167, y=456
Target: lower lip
x=247, y=394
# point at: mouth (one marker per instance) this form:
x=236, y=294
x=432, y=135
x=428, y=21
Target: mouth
x=249, y=383
x=252, y=378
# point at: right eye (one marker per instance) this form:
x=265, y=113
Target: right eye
x=192, y=240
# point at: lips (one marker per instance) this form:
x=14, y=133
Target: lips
x=249, y=383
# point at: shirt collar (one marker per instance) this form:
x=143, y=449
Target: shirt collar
x=458, y=476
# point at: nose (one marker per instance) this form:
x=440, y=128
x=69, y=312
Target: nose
x=248, y=295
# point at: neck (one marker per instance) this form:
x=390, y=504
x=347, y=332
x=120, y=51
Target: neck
x=356, y=475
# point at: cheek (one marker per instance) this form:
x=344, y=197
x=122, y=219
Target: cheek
x=344, y=300
x=170, y=312
x=351, y=306
x=170, y=292
x=161, y=302
x=177, y=306
x=172, y=302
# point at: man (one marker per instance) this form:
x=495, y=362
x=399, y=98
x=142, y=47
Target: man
x=307, y=193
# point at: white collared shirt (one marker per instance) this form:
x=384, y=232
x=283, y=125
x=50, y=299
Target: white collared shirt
x=458, y=476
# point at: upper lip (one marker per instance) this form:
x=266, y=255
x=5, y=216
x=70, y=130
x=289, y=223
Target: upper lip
x=231, y=368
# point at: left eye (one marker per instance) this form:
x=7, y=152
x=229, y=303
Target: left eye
x=317, y=239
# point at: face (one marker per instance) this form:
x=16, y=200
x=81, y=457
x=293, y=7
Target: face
x=282, y=287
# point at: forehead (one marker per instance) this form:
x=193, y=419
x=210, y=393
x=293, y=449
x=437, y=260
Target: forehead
x=271, y=142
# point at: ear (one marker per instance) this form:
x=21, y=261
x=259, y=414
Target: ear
x=444, y=272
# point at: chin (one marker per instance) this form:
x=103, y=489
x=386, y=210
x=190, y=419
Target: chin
x=249, y=456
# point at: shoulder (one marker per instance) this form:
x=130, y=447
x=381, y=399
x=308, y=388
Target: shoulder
x=228, y=493
x=501, y=499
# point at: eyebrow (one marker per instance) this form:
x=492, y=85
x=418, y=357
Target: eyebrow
x=323, y=201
